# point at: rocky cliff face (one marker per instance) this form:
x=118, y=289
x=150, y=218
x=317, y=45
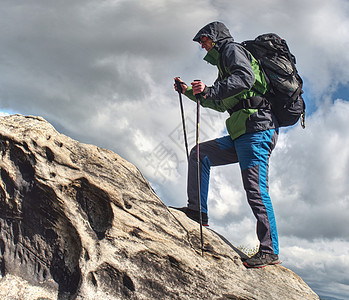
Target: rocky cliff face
x=80, y=222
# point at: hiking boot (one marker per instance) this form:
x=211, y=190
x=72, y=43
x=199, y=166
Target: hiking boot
x=194, y=215
x=261, y=259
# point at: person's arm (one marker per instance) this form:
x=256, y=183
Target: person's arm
x=214, y=104
x=238, y=65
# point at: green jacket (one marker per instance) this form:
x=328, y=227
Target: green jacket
x=239, y=78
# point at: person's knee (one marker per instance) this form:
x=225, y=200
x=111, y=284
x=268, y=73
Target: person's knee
x=251, y=179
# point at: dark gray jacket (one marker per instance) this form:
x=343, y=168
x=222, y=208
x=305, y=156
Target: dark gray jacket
x=239, y=78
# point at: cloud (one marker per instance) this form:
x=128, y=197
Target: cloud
x=309, y=175
x=311, y=29
x=308, y=179
x=323, y=263
x=112, y=61
x=309, y=172
x=102, y=72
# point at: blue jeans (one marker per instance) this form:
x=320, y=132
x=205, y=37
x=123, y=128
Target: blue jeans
x=252, y=152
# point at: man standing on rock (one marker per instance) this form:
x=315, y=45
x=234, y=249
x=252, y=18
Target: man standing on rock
x=252, y=135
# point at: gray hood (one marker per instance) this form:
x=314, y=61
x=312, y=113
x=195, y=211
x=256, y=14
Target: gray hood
x=216, y=31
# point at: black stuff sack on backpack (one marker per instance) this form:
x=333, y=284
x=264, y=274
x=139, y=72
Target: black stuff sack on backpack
x=285, y=84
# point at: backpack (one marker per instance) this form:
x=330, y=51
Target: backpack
x=285, y=84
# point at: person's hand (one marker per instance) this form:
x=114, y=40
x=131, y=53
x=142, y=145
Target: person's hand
x=198, y=87
x=182, y=84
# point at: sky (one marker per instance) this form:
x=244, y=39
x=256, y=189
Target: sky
x=102, y=73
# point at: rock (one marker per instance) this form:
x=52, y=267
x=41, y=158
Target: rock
x=80, y=222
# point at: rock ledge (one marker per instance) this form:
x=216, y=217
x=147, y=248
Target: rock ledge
x=80, y=222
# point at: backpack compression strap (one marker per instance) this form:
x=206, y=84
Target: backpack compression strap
x=253, y=102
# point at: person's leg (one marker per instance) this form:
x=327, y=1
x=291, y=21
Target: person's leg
x=216, y=152
x=253, y=150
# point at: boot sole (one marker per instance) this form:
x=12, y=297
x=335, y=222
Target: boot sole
x=261, y=266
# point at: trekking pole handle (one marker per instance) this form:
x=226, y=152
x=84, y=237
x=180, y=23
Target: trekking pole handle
x=178, y=84
x=198, y=96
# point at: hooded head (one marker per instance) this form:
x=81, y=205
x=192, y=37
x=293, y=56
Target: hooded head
x=216, y=31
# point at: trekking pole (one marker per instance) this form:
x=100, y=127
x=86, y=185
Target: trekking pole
x=198, y=97
x=179, y=90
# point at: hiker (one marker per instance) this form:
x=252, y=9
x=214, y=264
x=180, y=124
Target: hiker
x=252, y=135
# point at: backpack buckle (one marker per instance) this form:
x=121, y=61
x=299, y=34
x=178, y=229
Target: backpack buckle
x=303, y=119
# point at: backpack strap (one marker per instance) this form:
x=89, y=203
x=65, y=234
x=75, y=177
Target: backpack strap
x=253, y=102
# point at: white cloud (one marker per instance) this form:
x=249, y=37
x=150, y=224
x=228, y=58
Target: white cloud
x=102, y=72
x=317, y=33
x=310, y=175
x=319, y=262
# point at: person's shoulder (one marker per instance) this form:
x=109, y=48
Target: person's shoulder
x=232, y=44
x=234, y=48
